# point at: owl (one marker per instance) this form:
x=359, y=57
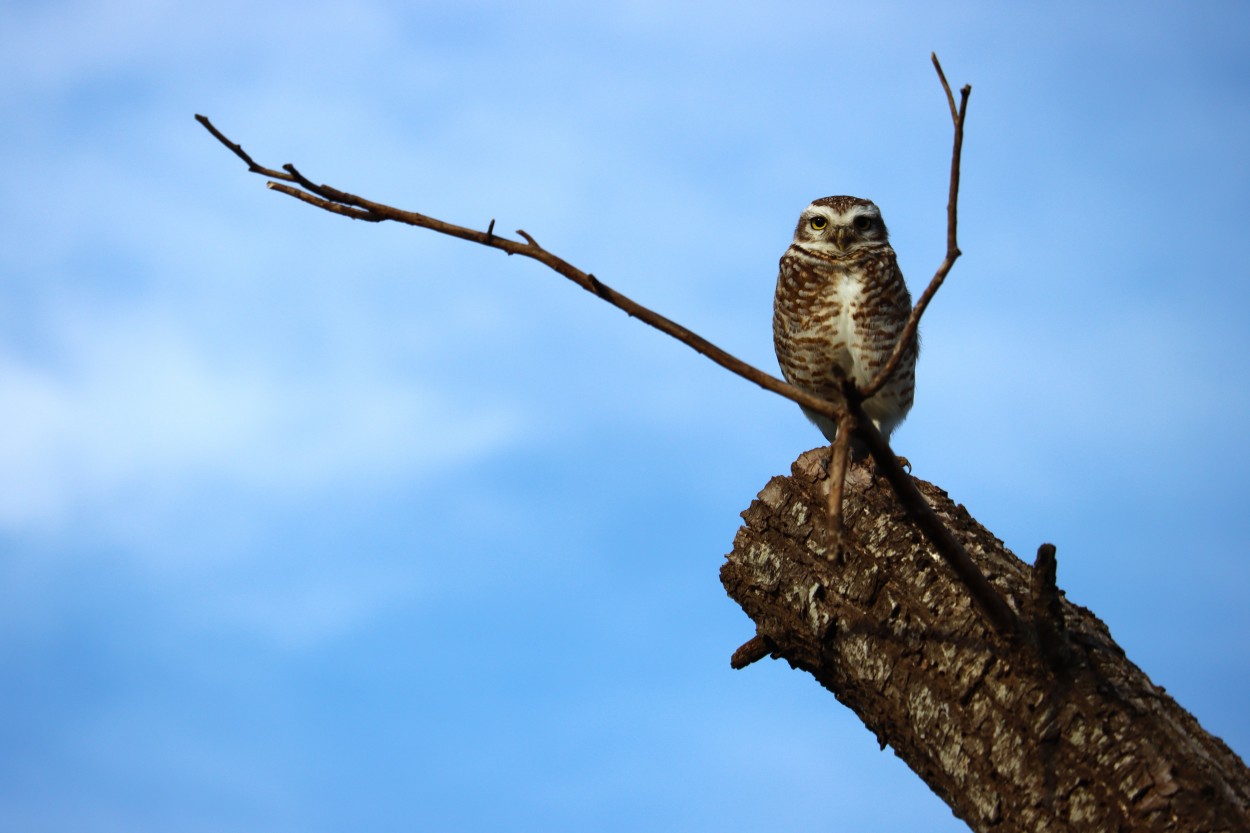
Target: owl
x=841, y=302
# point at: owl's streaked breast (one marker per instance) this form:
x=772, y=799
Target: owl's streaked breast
x=815, y=317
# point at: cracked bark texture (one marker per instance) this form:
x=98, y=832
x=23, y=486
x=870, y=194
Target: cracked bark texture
x=1057, y=731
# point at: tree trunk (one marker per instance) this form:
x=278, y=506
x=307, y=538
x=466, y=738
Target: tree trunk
x=1055, y=730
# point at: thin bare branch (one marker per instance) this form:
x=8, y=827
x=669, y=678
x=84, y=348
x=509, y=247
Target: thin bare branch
x=952, y=249
x=327, y=196
x=350, y=205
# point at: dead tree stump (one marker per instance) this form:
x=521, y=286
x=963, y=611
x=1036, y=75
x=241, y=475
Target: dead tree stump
x=1050, y=730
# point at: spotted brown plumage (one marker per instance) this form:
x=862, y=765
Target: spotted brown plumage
x=841, y=302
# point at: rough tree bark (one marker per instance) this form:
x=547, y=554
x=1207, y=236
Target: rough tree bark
x=1050, y=729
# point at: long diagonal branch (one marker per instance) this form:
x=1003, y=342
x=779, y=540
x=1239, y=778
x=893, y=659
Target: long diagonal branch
x=358, y=208
x=291, y=182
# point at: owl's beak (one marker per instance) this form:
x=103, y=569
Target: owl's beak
x=842, y=237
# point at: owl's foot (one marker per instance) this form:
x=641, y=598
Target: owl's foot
x=876, y=469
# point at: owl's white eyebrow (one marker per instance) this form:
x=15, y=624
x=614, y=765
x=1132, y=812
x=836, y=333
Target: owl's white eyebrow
x=843, y=216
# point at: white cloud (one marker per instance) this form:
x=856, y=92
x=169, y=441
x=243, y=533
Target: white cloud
x=132, y=403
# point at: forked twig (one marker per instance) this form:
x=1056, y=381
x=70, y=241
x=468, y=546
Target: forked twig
x=238, y=151
x=952, y=249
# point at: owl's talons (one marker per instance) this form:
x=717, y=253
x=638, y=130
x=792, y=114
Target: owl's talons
x=877, y=471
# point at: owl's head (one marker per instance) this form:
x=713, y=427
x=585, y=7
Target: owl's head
x=840, y=225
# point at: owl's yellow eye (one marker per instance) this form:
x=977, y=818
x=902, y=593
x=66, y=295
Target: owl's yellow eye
x=818, y=223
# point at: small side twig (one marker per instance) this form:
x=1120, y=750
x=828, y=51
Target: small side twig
x=1046, y=611
x=950, y=99
x=753, y=650
x=238, y=151
x=324, y=204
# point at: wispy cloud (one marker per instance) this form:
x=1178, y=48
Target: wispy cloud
x=132, y=403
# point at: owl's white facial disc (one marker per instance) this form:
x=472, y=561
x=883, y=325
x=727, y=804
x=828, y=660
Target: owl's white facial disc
x=841, y=228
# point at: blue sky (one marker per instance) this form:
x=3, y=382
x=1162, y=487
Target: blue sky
x=312, y=525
